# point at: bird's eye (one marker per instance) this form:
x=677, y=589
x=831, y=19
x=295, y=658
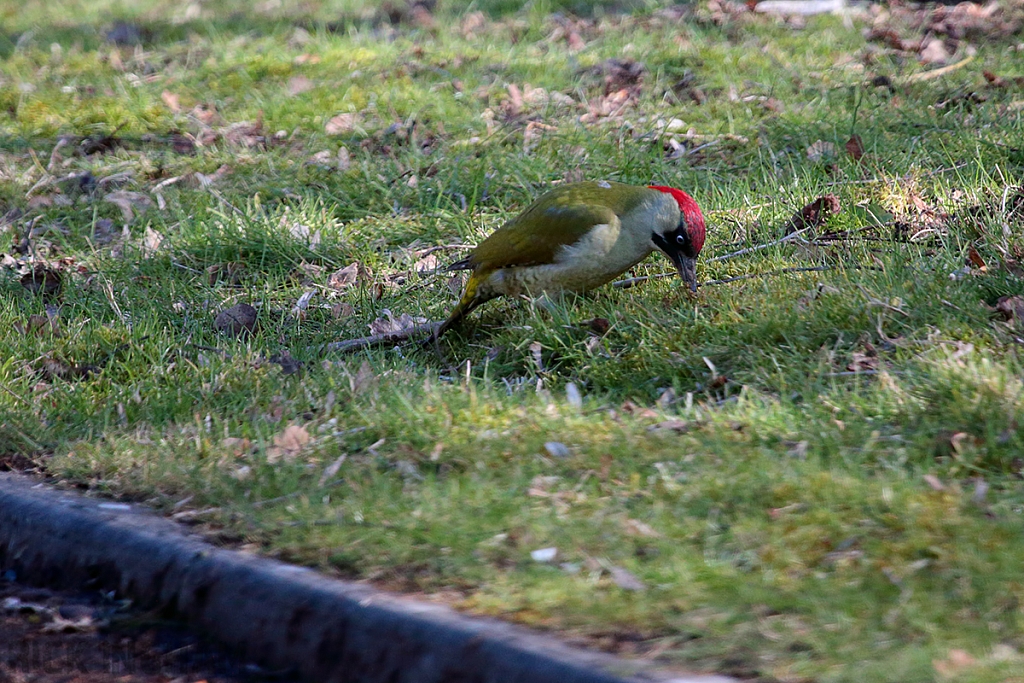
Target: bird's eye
x=680, y=239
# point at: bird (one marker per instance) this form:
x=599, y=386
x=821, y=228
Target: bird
x=577, y=237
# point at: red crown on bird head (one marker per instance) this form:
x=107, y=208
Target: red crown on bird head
x=691, y=212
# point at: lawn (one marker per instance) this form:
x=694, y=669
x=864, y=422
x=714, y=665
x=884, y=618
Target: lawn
x=809, y=474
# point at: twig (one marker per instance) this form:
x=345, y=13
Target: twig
x=928, y=75
x=770, y=273
x=15, y=395
x=625, y=284
x=349, y=345
x=442, y=247
x=759, y=247
x=219, y=196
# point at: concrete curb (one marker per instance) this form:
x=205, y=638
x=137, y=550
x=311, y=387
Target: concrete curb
x=277, y=614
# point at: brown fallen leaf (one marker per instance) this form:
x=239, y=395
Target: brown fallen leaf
x=44, y=281
x=390, y=324
x=934, y=482
x=598, y=326
x=855, y=147
x=340, y=124
x=934, y=52
x=289, y=366
x=363, y=378
x=129, y=203
x=298, y=85
x=821, y=151
x=975, y=260
x=625, y=579
x=344, y=162
x=238, y=447
x=863, y=362
x=342, y=309
x=677, y=426
x=245, y=133
x=635, y=527
x=302, y=305
x=954, y=664
x=230, y=274
x=1011, y=307
x=344, y=278
x=152, y=242
x=814, y=214
x=41, y=325
x=288, y=444
x=427, y=265
x=172, y=101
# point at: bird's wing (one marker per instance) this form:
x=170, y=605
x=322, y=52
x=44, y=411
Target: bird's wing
x=560, y=218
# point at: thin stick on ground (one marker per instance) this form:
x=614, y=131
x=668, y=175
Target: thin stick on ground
x=770, y=273
x=349, y=345
x=629, y=282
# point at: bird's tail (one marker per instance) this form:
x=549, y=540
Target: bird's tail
x=471, y=298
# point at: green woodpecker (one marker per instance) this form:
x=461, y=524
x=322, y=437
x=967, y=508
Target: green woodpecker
x=580, y=236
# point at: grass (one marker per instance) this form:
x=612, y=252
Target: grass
x=790, y=519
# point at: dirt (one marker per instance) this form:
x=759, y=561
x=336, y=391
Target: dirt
x=51, y=636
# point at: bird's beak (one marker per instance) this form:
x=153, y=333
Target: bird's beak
x=688, y=271
x=687, y=268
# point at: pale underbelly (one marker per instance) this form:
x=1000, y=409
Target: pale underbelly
x=551, y=278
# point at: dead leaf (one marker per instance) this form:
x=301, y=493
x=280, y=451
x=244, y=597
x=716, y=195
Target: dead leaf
x=934, y=52
x=289, y=366
x=40, y=324
x=230, y=274
x=331, y=470
x=625, y=579
x=535, y=352
x=855, y=147
x=390, y=324
x=104, y=232
x=934, y=482
x=455, y=284
x=152, y=242
x=975, y=260
x=363, y=379
x=814, y=214
x=635, y=527
x=427, y=265
x=863, y=362
x=237, y=446
x=954, y=664
x=821, y=151
x=209, y=180
x=1011, y=307
x=344, y=161
x=599, y=326
x=321, y=158
x=299, y=309
x=288, y=444
x=298, y=85
x=342, y=309
x=245, y=133
x=172, y=101
x=43, y=280
x=342, y=123
x=129, y=202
